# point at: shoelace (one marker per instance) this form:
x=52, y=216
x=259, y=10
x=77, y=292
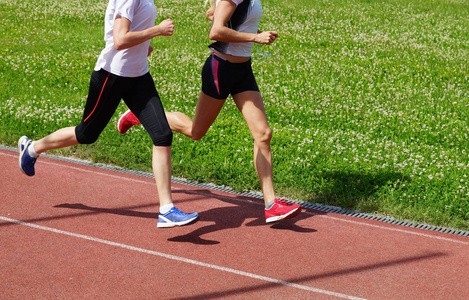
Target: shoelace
x=285, y=202
x=177, y=211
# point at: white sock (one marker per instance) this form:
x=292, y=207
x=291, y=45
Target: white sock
x=165, y=208
x=31, y=150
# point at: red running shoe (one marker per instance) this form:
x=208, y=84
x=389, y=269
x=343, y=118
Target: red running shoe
x=282, y=210
x=127, y=120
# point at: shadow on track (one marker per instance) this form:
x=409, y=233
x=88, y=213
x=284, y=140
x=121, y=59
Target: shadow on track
x=234, y=216
x=224, y=217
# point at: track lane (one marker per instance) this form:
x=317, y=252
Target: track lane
x=331, y=255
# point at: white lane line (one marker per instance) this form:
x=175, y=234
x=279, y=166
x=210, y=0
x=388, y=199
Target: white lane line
x=358, y=222
x=182, y=259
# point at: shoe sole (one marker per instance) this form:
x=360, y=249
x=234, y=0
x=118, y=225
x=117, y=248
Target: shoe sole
x=173, y=224
x=22, y=152
x=290, y=215
x=118, y=122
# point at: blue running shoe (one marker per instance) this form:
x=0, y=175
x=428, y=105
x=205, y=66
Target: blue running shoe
x=175, y=217
x=26, y=161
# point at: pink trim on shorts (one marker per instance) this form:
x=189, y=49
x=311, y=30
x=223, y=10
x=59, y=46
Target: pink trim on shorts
x=215, y=64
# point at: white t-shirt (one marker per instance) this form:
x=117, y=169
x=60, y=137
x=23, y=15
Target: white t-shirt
x=130, y=62
x=245, y=18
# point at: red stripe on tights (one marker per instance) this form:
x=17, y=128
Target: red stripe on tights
x=99, y=98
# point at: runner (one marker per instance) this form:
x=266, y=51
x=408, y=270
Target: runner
x=122, y=72
x=228, y=71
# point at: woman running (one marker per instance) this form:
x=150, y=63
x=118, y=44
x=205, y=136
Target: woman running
x=122, y=72
x=228, y=71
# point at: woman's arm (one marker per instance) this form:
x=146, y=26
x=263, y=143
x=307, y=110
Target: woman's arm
x=124, y=38
x=219, y=32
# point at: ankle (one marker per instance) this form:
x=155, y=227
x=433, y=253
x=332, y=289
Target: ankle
x=32, y=152
x=165, y=208
x=269, y=204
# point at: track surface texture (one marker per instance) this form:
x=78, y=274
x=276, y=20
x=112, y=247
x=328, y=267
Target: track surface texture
x=76, y=231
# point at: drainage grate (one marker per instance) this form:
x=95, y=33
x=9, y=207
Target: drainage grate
x=257, y=195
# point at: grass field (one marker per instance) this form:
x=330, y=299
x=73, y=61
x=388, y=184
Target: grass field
x=368, y=100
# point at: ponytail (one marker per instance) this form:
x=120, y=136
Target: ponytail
x=212, y=2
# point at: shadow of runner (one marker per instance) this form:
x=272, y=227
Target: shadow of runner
x=233, y=217
x=226, y=217
x=115, y=211
x=88, y=210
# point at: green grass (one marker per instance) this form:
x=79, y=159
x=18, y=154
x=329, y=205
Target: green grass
x=368, y=100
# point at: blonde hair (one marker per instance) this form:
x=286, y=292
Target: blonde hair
x=212, y=2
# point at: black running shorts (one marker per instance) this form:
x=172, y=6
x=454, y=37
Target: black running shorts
x=221, y=78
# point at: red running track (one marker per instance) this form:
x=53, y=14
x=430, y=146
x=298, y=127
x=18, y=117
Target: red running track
x=80, y=232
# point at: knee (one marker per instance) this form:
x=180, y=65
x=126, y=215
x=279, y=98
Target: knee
x=197, y=134
x=263, y=136
x=85, y=138
x=164, y=139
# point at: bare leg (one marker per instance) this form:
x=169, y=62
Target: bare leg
x=206, y=112
x=250, y=104
x=179, y=122
x=162, y=171
x=62, y=138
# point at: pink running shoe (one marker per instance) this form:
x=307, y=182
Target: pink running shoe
x=127, y=120
x=282, y=210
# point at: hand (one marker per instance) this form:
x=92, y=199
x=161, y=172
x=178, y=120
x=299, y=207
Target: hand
x=266, y=37
x=209, y=13
x=166, y=27
x=150, y=50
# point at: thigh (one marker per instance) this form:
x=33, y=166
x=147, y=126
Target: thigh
x=143, y=97
x=250, y=104
x=144, y=101
x=206, y=112
x=104, y=95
